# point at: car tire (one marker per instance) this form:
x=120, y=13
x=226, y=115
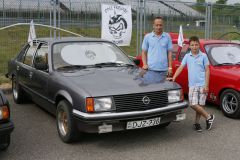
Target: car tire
x=230, y=103
x=6, y=143
x=163, y=125
x=19, y=95
x=66, y=127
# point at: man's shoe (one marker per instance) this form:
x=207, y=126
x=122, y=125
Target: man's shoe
x=197, y=127
x=209, y=122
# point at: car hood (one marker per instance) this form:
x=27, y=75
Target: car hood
x=120, y=80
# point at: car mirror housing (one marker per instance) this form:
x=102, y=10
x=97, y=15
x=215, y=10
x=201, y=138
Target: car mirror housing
x=136, y=61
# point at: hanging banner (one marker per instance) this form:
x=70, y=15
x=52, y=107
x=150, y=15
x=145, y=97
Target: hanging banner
x=117, y=24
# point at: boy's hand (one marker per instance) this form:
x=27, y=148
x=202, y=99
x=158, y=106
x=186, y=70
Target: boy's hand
x=206, y=89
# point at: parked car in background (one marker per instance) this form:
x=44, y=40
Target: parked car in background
x=6, y=125
x=224, y=87
x=92, y=86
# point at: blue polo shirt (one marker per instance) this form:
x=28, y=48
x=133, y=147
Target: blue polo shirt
x=157, y=48
x=196, y=68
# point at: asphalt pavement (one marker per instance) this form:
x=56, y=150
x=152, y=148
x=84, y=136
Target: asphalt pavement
x=35, y=138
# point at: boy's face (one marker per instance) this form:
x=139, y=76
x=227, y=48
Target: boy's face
x=194, y=46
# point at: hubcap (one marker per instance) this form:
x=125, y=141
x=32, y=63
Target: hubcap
x=62, y=122
x=230, y=103
x=15, y=92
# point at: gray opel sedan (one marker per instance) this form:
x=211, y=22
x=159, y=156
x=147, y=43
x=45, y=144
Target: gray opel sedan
x=92, y=86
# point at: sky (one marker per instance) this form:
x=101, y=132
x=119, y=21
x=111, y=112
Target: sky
x=213, y=1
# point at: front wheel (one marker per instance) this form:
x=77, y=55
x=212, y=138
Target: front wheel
x=230, y=103
x=19, y=95
x=65, y=123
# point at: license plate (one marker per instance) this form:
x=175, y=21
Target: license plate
x=143, y=123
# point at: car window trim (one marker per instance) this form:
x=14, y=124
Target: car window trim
x=32, y=54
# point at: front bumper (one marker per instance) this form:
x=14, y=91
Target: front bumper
x=5, y=130
x=90, y=122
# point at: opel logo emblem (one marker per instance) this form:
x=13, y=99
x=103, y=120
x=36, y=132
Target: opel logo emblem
x=146, y=100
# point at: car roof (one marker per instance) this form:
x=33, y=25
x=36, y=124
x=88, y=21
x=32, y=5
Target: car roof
x=67, y=39
x=207, y=41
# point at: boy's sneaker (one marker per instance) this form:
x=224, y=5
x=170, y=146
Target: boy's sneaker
x=209, y=122
x=197, y=127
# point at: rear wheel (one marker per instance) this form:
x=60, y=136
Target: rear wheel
x=5, y=142
x=230, y=103
x=19, y=95
x=65, y=123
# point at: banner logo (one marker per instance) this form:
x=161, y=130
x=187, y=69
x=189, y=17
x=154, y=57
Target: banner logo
x=117, y=24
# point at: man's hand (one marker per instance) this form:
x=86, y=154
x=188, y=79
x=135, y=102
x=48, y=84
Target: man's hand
x=169, y=78
x=169, y=72
x=145, y=67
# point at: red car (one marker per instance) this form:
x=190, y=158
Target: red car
x=224, y=58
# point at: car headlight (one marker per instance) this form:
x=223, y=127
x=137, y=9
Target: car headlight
x=99, y=104
x=4, y=113
x=175, y=96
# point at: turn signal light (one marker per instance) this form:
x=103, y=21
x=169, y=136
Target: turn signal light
x=4, y=112
x=89, y=104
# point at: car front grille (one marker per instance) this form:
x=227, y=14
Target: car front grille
x=135, y=102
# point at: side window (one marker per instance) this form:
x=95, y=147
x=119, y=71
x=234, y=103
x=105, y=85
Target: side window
x=41, y=58
x=181, y=55
x=28, y=59
x=42, y=55
x=21, y=55
x=174, y=51
x=184, y=51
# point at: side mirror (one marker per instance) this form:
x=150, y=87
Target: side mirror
x=136, y=61
x=41, y=66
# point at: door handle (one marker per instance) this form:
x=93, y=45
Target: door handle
x=30, y=75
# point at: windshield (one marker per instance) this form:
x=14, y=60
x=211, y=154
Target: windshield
x=84, y=54
x=223, y=54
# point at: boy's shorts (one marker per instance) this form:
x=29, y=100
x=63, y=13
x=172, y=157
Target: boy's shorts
x=196, y=96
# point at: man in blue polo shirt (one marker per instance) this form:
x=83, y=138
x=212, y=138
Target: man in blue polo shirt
x=156, y=49
x=198, y=82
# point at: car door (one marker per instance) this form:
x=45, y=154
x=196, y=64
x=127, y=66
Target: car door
x=24, y=66
x=40, y=75
x=182, y=79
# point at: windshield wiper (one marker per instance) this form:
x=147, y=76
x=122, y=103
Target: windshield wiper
x=77, y=67
x=72, y=67
x=113, y=64
x=224, y=64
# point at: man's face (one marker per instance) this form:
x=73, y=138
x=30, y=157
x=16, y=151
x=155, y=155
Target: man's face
x=194, y=46
x=158, y=26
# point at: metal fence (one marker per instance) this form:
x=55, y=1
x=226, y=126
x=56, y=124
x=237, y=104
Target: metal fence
x=205, y=20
